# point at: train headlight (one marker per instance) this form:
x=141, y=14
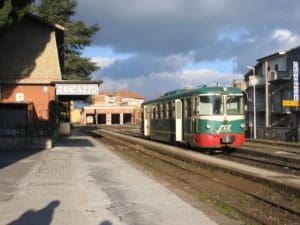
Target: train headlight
x=207, y=126
x=242, y=125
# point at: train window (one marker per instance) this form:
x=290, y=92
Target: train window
x=209, y=105
x=205, y=106
x=161, y=106
x=170, y=110
x=217, y=104
x=185, y=108
x=188, y=107
x=150, y=112
x=166, y=110
x=194, y=100
x=234, y=105
x=153, y=112
x=197, y=107
x=144, y=113
x=158, y=112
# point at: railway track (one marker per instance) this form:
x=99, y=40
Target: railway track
x=263, y=162
x=254, y=155
x=228, y=194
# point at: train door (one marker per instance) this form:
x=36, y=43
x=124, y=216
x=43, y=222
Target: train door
x=178, y=119
x=146, y=121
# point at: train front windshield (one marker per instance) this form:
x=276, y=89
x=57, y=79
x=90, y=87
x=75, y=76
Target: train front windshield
x=219, y=104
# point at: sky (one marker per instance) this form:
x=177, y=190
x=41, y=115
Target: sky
x=154, y=46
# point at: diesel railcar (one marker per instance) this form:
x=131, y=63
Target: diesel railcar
x=205, y=117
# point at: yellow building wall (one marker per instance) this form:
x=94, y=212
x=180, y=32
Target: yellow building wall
x=75, y=116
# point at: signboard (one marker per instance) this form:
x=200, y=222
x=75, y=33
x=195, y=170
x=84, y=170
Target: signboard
x=296, y=80
x=253, y=80
x=77, y=89
x=290, y=103
x=20, y=97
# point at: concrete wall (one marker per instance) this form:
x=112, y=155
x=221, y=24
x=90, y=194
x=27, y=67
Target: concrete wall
x=29, y=52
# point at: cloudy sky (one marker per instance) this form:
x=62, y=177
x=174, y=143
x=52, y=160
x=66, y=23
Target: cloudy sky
x=153, y=46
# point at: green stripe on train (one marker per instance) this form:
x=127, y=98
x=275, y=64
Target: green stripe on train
x=211, y=126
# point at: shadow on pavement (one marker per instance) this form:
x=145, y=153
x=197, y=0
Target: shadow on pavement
x=10, y=157
x=105, y=222
x=78, y=142
x=37, y=217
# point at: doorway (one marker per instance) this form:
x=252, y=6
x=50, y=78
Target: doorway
x=127, y=118
x=101, y=118
x=115, y=118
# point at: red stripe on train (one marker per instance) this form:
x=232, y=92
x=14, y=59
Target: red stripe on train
x=215, y=140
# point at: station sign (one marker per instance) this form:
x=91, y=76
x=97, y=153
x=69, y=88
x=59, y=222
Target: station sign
x=296, y=80
x=77, y=89
x=293, y=103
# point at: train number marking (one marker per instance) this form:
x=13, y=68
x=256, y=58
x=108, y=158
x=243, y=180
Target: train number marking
x=224, y=128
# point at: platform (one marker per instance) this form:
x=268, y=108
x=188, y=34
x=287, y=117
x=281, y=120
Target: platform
x=81, y=182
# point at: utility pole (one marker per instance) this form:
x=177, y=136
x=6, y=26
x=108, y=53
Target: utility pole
x=267, y=122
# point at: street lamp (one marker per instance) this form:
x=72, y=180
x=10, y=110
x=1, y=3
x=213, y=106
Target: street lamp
x=253, y=81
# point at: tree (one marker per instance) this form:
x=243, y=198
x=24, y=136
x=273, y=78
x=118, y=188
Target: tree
x=77, y=37
x=12, y=11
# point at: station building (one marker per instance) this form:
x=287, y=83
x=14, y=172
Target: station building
x=31, y=58
x=114, y=107
x=34, y=100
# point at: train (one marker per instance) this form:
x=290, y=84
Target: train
x=204, y=117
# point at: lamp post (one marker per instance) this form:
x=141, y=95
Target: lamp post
x=253, y=82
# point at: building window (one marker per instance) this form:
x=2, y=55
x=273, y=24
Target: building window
x=276, y=67
x=111, y=99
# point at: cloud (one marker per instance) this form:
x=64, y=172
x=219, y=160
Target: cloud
x=143, y=65
x=177, y=27
x=156, y=84
x=163, y=37
x=284, y=35
x=103, y=62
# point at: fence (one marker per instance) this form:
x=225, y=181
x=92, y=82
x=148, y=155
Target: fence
x=276, y=133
